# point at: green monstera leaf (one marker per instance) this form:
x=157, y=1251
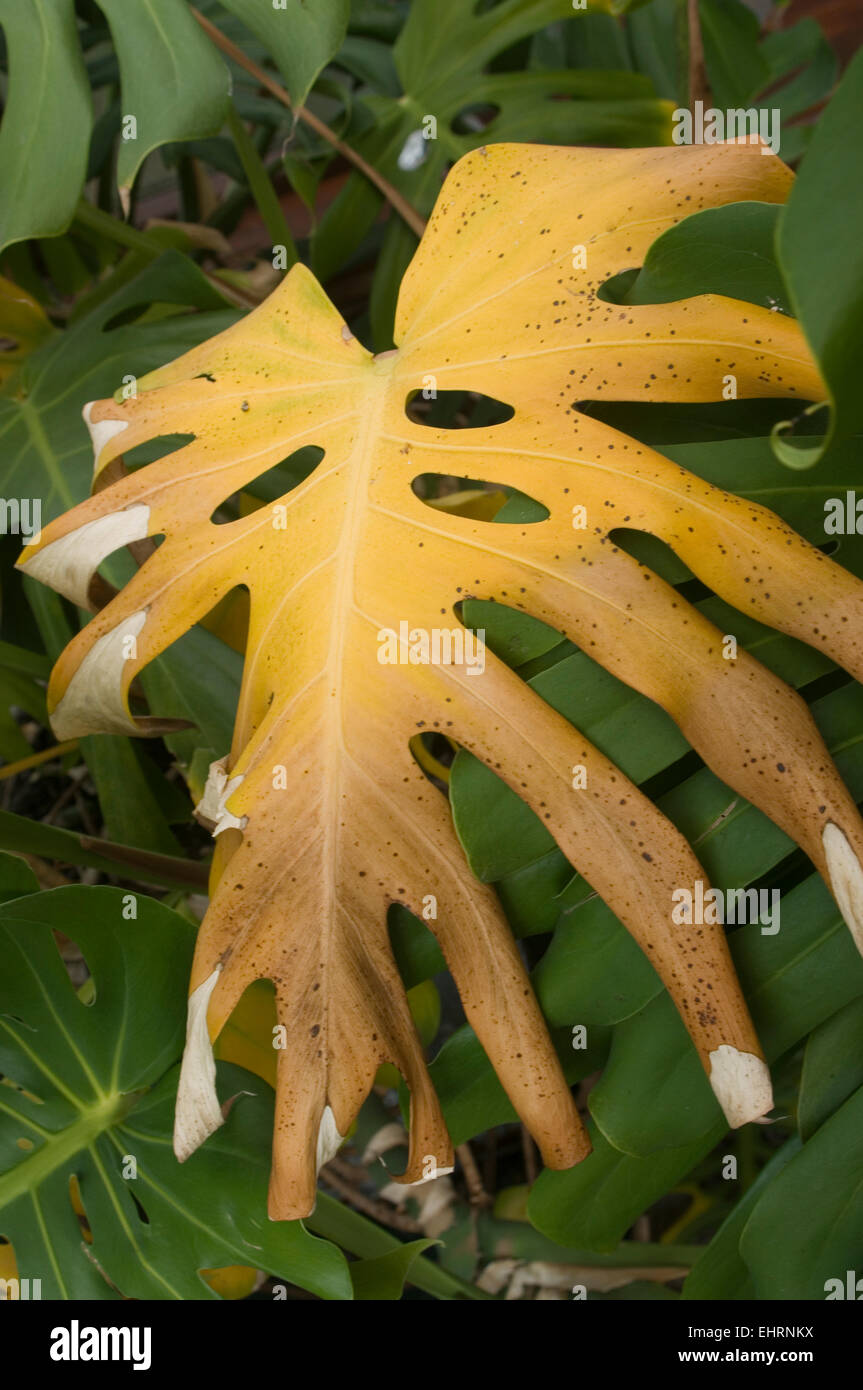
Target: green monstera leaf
x=86, y=1108
x=175, y=86
x=414, y=118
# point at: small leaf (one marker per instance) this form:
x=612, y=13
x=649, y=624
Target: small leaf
x=302, y=38
x=174, y=84
x=383, y=1277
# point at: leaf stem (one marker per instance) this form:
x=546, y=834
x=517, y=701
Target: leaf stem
x=697, y=84
x=17, y=833
x=151, y=245
x=47, y=755
x=116, y=230
x=362, y=1237
x=261, y=188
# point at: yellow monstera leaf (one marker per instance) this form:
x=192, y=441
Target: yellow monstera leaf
x=323, y=817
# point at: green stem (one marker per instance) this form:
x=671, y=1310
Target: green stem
x=24, y=836
x=681, y=45
x=86, y=215
x=262, y=189
x=362, y=1237
x=60, y=1148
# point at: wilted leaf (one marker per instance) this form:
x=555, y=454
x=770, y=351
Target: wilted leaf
x=324, y=818
x=443, y=97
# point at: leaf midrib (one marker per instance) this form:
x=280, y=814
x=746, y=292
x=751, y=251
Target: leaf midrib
x=360, y=464
x=26, y=1177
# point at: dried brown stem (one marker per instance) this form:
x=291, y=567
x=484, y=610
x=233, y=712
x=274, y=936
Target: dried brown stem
x=699, y=87
x=392, y=195
x=528, y=1148
x=377, y=1210
x=477, y=1194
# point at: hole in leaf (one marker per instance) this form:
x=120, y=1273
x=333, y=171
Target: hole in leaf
x=476, y=116
x=157, y=448
x=78, y=1207
x=232, y=1282
x=249, y=1038
x=515, y=636
x=118, y=567
x=416, y=950
x=455, y=410
x=197, y=680
x=16, y=1085
x=661, y=423
x=267, y=488
x=477, y=499
x=76, y=967
x=656, y=554
x=229, y=619
x=434, y=754
x=142, y=1215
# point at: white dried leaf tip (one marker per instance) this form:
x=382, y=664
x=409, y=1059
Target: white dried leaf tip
x=846, y=879
x=198, y=1113
x=741, y=1084
x=211, y=810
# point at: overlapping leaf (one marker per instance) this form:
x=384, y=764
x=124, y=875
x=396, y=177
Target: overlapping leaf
x=829, y=313
x=85, y=1117
x=175, y=86
x=323, y=817
x=441, y=66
